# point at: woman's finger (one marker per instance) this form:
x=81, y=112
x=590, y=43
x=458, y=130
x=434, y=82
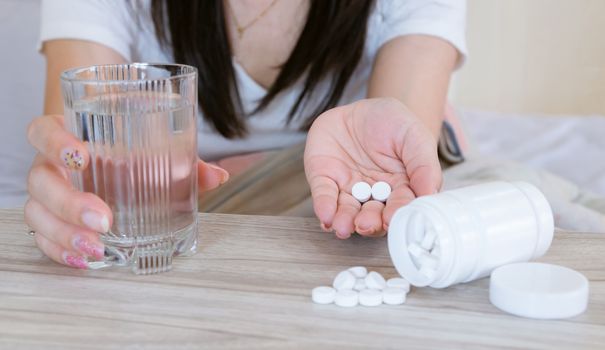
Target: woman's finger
x=369, y=220
x=422, y=164
x=48, y=135
x=235, y=165
x=48, y=187
x=59, y=254
x=70, y=237
x=400, y=196
x=348, y=207
x=324, y=192
x=210, y=176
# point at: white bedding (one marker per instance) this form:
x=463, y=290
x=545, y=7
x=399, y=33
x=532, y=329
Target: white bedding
x=572, y=147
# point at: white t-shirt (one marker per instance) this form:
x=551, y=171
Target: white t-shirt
x=113, y=24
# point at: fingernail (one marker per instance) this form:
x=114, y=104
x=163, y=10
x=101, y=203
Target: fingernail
x=224, y=173
x=75, y=261
x=88, y=248
x=72, y=158
x=95, y=221
x=343, y=235
x=326, y=228
x=364, y=230
x=224, y=177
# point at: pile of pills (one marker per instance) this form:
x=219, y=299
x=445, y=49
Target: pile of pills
x=424, y=250
x=362, y=191
x=355, y=286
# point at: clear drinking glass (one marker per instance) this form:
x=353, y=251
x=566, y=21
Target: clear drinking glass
x=139, y=124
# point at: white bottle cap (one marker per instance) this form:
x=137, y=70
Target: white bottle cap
x=538, y=290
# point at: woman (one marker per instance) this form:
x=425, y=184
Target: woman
x=376, y=70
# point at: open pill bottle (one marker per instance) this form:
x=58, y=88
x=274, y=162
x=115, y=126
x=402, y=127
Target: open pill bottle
x=461, y=235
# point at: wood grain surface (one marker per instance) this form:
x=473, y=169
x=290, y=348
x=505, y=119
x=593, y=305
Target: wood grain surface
x=249, y=287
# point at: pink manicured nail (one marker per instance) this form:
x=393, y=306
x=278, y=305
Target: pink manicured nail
x=72, y=158
x=75, y=261
x=326, y=228
x=88, y=248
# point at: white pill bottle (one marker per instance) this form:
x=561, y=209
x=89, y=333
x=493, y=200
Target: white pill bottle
x=476, y=229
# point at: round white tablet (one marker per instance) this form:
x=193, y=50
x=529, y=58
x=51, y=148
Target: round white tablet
x=359, y=271
x=397, y=282
x=323, y=295
x=381, y=191
x=370, y=297
x=436, y=251
x=415, y=250
x=360, y=284
x=393, y=296
x=374, y=280
x=346, y=298
x=344, y=280
x=416, y=228
x=362, y=191
x=429, y=240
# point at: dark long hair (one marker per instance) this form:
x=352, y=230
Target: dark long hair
x=331, y=45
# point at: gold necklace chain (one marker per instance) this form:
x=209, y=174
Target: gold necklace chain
x=241, y=29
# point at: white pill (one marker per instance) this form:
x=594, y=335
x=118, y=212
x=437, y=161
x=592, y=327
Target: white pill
x=346, y=298
x=359, y=271
x=344, y=280
x=397, y=282
x=381, y=191
x=429, y=240
x=362, y=191
x=360, y=284
x=370, y=297
x=415, y=250
x=436, y=251
x=374, y=280
x=323, y=295
x=417, y=227
x=393, y=296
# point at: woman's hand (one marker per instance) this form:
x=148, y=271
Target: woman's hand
x=66, y=220
x=370, y=140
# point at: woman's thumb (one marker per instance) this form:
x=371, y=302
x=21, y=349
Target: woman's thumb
x=210, y=176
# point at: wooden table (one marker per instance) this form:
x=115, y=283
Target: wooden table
x=249, y=287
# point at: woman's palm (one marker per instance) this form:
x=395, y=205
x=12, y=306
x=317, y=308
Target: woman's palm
x=370, y=140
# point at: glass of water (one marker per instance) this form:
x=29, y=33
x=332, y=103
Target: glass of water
x=139, y=124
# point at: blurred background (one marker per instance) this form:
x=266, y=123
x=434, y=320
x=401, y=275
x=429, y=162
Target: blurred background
x=534, y=56
x=529, y=60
